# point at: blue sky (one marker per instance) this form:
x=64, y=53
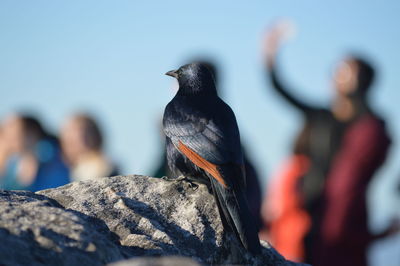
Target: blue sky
x=109, y=57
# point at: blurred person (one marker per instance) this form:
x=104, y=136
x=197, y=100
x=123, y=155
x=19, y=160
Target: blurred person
x=82, y=145
x=253, y=189
x=3, y=151
x=33, y=156
x=335, y=157
x=285, y=220
x=162, y=169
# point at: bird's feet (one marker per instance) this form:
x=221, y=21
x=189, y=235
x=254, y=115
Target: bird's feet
x=191, y=184
x=166, y=178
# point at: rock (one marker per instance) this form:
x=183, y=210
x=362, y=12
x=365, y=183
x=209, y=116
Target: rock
x=157, y=261
x=111, y=219
x=35, y=230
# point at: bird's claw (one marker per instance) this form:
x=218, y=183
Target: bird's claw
x=181, y=178
x=191, y=184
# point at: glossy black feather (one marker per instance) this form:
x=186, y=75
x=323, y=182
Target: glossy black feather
x=200, y=120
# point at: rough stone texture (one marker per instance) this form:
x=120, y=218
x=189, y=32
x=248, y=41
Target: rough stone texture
x=111, y=219
x=37, y=230
x=154, y=261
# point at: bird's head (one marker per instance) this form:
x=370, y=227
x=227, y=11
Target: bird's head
x=194, y=78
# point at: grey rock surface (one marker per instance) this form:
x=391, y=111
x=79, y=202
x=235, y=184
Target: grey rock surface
x=157, y=261
x=111, y=219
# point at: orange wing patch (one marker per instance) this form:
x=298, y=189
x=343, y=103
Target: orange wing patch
x=202, y=163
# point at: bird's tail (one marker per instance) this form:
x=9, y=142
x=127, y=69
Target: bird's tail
x=235, y=213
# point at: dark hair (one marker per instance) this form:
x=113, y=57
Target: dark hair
x=92, y=135
x=33, y=130
x=32, y=126
x=366, y=74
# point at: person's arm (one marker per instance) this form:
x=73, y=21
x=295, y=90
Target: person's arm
x=284, y=92
x=272, y=45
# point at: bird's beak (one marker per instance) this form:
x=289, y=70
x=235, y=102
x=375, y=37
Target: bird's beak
x=172, y=73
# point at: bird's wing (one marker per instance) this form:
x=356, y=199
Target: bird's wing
x=209, y=138
x=234, y=210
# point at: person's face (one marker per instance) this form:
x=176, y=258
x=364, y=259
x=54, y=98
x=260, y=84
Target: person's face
x=345, y=77
x=13, y=134
x=72, y=142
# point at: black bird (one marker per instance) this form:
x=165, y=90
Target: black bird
x=203, y=144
